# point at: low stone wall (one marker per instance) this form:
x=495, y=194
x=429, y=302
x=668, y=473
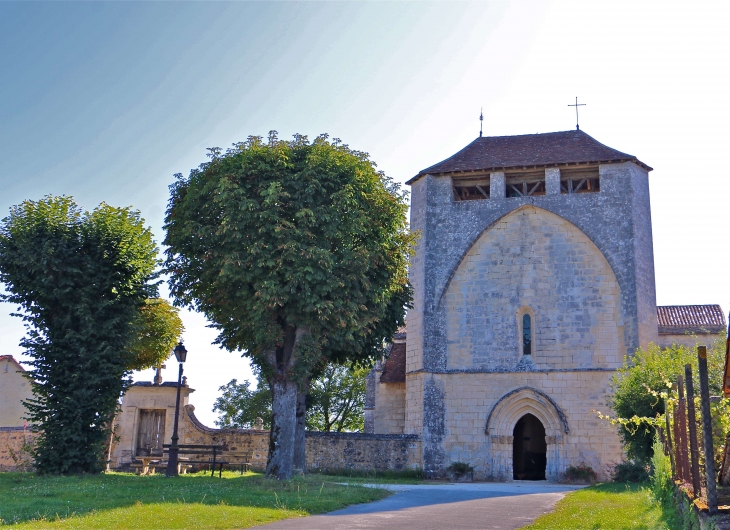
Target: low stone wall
x=324, y=450
x=380, y=452
x=251, y=441
x=13, y=456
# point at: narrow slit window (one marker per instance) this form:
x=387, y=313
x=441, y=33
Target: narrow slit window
x=526, y=335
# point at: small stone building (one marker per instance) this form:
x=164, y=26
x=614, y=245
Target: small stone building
x=14, y=433
x=14, y=389
x=533, y=278
x=689, y=325
x=146, y=420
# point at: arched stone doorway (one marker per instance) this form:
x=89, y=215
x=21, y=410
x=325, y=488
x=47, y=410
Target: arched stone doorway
x=505, y=416
x=529, y=449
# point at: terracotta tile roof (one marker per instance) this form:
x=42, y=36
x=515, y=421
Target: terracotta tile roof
x=394, y=370
x=680, y=319
x=498, y=153
x=12, y=360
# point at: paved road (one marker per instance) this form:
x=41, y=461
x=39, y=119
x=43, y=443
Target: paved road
x=486, y=506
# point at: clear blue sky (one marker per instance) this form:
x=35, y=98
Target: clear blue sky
x=106, y=101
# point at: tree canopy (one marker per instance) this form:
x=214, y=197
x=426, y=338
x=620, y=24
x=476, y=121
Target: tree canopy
x=80, y=279
x=158, y=328
x=335, y=402
x=297, y=253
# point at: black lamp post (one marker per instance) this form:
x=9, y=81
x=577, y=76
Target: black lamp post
x=180, y=354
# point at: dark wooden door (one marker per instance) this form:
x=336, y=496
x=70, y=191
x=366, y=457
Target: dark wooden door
x=151, y=432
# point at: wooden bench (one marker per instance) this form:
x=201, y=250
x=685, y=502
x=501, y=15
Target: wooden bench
x=203, y=451
x=239, y=459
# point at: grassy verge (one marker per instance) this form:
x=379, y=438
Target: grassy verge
x=609, y=506
x=119, y=500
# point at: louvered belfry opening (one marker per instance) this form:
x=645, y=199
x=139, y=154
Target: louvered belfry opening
x=471, y=188
x=580, y=180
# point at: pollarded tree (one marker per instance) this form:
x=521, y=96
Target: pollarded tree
x=296, y=252
x=80, y=279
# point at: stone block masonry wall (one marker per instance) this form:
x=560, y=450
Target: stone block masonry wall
x=255, y=442
x=379, y=452
x=690, y=341
x=449, y=229
x=389, y=414
x=478, y=420
x=324, y=450
x=586, y=275
x=533, y=260
x=12, y=440
x=643, y=256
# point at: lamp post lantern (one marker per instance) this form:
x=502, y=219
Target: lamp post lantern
x=180, y=354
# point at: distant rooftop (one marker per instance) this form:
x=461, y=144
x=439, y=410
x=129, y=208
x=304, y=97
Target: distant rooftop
x=12, y=360
x=394, y=370
x=681, y=319
x=499, y=153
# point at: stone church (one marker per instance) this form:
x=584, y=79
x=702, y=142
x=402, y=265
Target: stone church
x=533, y=277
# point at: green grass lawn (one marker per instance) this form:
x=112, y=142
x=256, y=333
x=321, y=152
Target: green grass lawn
x=607, y=507
x=367, y=477
x=119, y=500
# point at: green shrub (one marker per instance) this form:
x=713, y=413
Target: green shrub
x=580, y=473
x=460, y=467
x=630, y=471
x=639, y=385
x=661, y=479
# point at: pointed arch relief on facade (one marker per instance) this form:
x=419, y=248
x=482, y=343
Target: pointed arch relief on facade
x=491, y=225
x=526, y=400
x=532, y=262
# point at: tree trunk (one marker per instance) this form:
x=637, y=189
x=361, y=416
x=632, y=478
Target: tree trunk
x=300, y=440
x=283, y=428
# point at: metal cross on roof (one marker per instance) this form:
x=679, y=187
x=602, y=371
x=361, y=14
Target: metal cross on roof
x=577, y=127
x=481, y=121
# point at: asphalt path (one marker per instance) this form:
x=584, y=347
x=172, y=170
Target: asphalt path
x=483, y=506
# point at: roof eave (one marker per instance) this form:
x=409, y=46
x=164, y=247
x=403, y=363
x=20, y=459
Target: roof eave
x=534, y=166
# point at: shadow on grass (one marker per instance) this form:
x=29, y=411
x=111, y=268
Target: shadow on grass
x=29, y=497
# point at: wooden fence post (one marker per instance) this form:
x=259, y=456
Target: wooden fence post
x=669, y=439
x=692, y=420
x=677, y=443
x=707, y=430
x=682, y=438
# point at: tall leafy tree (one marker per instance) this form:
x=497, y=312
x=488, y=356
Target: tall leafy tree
x=335, y=402
x=297, y=253
x=80, y=279
x=158, y=327
x=239, y=405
